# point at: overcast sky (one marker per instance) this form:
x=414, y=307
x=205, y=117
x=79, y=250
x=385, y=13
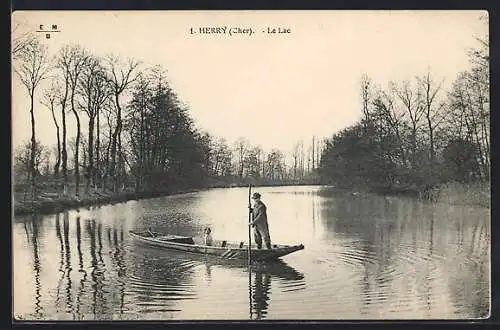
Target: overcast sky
x=273, y=89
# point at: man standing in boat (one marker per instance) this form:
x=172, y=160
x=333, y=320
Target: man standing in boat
x=259, y=222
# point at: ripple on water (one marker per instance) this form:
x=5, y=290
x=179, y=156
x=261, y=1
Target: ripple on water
x=414, y=262
x=349, y=270
x=155, y=282
x=291, y=286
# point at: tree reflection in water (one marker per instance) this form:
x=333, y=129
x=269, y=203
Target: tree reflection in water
x=119, y=260
x=69, y=298
x=379, y=257
x=61, y=261
x=81, y=268
x=35, y=231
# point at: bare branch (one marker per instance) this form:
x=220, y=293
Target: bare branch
x=33, y=66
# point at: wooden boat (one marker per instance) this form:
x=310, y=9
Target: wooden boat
x=222, y=249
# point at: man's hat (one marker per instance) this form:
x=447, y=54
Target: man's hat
x=255, y=196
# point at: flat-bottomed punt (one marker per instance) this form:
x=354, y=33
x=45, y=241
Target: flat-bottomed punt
x=222, y=249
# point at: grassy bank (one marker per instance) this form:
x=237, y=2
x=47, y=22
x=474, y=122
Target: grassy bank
x=46, y=203
x=49, y=200
x=453, y=193
x=474, y=194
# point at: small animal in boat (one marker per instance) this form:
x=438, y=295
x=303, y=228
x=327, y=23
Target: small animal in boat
x=208, y=236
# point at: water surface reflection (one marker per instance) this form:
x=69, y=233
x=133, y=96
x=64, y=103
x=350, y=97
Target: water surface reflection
x=366, y=257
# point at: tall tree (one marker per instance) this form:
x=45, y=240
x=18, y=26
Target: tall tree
x=139, y=106
x=366, y=90
x=22, y=39
x=241, y=147
x=79, y=61
x=433, y=112
x=389, y=121
x=275, y=165
x=63, y=64
x=32, y=67
x=296, y=159
x=412, y=104
x=120, y=76
x=221, y=154
x=252, y=162
x=95, y=92
x=49, y=100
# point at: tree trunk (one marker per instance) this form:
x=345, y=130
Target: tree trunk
x=77, y=143
x=119, y=163
x=64, y=152
x=140, y=168
x=484, y=134
x=108, y=161
x=431, y=133
x=58, y=158
x=77, y=148
x=114, y=143
x=97, y=151
x=90, y=166
x=476, y=139
x=33, y=146
x=313, y=166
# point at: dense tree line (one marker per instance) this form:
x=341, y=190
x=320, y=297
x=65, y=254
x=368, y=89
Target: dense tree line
x=131, y=130
x=414, y=134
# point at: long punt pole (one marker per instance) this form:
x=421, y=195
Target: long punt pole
x=249, y=226
x=249, y=250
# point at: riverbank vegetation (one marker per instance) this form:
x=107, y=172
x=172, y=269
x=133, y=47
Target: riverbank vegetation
x=415, y=137
x=121, y=131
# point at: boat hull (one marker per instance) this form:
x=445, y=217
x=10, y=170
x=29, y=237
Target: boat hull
x=229, y=251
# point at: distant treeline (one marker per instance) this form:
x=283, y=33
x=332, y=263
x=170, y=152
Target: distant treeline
x=414, y=136
x=131, y=132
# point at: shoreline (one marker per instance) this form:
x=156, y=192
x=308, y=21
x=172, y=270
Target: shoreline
x=56, y=203
x=44, y=206
x=453, y=194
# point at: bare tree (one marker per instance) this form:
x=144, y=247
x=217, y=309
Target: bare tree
x=241, y=148
x=95, y=91
x=79, y=60
x=120, y=76
x=22, y=40
x=365, y=97
x=63, y=64
x=296, y=159
x=137, y=119
x=105, y=164
x=432, y=109
x=49, y=100
x=390, y=119
x=24, y=156
x=479, y=79
x=413, y=106
x=221, y=157
x=313, y=158
x=252, y=162
x=275, y=165
x=469, y=117
x=32, y=67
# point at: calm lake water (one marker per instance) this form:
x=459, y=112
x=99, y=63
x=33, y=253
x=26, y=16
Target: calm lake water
x=365, y=257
